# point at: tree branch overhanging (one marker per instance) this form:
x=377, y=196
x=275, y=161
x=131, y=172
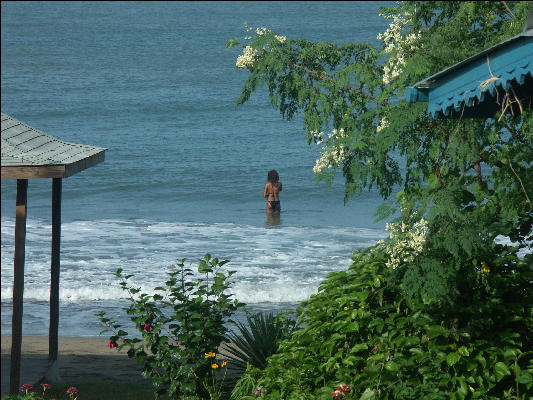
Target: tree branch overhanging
x=478, y=172
x=326, y=77
x=439, y=176
x=521, y=184
x=508, y=9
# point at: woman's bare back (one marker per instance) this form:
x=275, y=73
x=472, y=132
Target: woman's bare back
x=271, y=193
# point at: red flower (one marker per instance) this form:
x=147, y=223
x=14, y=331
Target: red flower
x=27, y=387
x=148, y=327
x=340, y=390
x=72, y=391
x=111, y=345
x=343, y=388
x=45, y=386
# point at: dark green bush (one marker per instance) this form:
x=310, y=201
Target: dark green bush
x=363, y=331
x=182, y=326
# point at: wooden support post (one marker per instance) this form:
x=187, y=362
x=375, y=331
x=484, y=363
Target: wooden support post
x=55, y=269
x=18, y=285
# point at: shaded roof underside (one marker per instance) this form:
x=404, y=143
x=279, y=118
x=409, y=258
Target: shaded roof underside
x=29, y=153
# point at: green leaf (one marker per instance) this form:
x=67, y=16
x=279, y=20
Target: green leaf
x=524, y=378
x=501, y=370
x=452, y=358
x=391, y=366
x=358, y=348
x=204, y=268
x=480, y=359
x=463, y=389
x=417, y=351
x=463, y=351
x=231, y=43
x=368, y=394
x=436, y=331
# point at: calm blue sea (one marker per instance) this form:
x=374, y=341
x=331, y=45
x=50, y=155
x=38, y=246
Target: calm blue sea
x=185, y=167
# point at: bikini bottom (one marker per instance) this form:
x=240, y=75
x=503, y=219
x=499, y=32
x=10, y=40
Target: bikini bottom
x=274, y=205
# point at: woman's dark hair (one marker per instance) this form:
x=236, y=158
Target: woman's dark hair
x=273, y=176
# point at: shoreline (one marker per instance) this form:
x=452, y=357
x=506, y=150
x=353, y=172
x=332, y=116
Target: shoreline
x=81, y=359
x=38, y=345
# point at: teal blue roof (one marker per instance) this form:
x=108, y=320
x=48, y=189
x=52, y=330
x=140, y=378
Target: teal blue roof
x=475, y=86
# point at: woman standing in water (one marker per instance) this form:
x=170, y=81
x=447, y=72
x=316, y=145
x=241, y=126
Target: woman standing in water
x=271, y=192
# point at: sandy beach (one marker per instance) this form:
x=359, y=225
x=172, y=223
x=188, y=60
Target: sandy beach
x=80, y=360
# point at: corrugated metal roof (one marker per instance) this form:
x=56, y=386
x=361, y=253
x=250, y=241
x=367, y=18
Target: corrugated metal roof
x=477, y=79
x=427, y=82
x=24, y=146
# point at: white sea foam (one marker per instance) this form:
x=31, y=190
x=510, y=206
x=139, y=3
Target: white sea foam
x=278, y=265
x=274, y=266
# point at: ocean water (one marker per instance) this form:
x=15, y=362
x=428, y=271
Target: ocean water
x=185, y=167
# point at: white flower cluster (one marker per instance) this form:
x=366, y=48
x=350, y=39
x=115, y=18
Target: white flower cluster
x=248, y=59
x=281, y=39
x=382, y=125
x=397, y=45
x=250, y=56
x=262, y=31
x=405, y=242
x=319, y=136
x=333, y=153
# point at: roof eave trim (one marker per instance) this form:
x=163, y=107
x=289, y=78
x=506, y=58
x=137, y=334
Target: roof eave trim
x=51, y=171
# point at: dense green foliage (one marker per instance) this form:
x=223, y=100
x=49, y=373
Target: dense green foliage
x=182, y=327
x=362, y=330
x=440, y=310
x=471, y=179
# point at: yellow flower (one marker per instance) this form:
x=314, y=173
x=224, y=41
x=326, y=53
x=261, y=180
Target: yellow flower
x=214, y=366
x=485, y=270
x=210, y=354
x=224, y=363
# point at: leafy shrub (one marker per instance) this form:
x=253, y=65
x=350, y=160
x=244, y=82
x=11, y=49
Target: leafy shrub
x=362, y=330
x=182, y=327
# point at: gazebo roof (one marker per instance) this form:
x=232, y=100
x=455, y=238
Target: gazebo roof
x=471, y=87
x=30, y=153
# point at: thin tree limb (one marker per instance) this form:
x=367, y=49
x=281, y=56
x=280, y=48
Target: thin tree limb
x=328, y=78
x=508, y=9
x=478, y=171
x=465, y=171
x=521, y=184
x=439, y=177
